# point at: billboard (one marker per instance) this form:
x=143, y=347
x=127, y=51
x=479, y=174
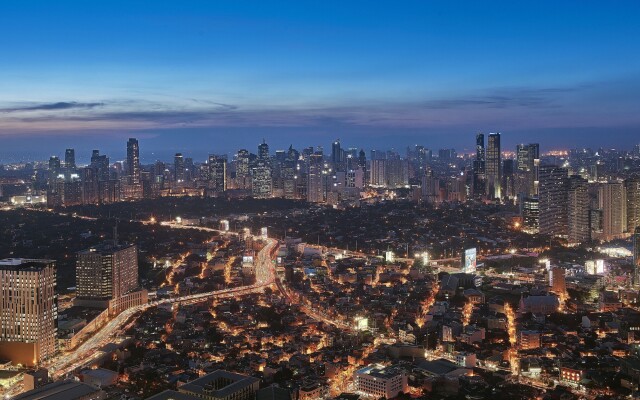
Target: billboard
x=470, y=261
x=264, y=233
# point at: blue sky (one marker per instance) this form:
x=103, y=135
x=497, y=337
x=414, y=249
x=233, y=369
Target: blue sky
x=211, y=76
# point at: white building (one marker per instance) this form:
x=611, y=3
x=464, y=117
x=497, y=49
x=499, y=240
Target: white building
x=379, y=381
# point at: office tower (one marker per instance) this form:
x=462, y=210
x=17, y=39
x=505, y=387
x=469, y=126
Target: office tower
x=101, y=164
x=242, y=163
x=553, y=200
x=494, y=167
x=105, y=272
x=261, y=183
x=289, y=177
x=528, y=162
x=55, y=168
x=336, y=154
x=508, y=178
x=70, y=159
x=217, y=174
x=612, y=200
x=479, y=164
x=133, y=161
x=531, y=215
x=633, y=203
x=89, y=186
x=263, y=151
x=377, y=172
x=178, y=168
x=447, y=154
x=578, y=202
x=315, y=179
x=396, y=173
x=636, y=255
x=28, y=311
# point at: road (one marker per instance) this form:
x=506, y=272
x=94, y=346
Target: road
x=90, y=350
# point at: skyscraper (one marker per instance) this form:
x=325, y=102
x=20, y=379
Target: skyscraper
x=263, y=151
x=636, y=255
x=479, y=164
x=531, y=215
x=133, y=161
x=70, y=159
x=494, y=167
x=528, y=162
x=105, y=272
x=336, y=154
x=612, y=200
x=553, y=200
x=579, y=229
x=28, y=310
x=633, y=203
x=261, y=182
x=315, y=179
x=179, y=168
x=217, y=174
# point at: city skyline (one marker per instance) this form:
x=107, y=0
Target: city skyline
x=186, y=76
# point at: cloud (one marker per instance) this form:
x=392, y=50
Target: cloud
x=61, y=105
x=500, y=108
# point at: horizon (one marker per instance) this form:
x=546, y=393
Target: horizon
x=225, y=75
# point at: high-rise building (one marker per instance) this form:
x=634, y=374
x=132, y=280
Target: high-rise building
x=28, y=310
x=133, y=161
x=396, y=173
x=633, y=203
x=531, y=215
x=261, y=182
x=315, y=179
x=494, y=167
x=336, y=154
x=55, y=169
x=217, y=174
x=553, y=200
x=528, y=162
x=579, y=228
x=106, y=272
x=263, y=151
x=479, y=165
x=612, y=200
x=70, y=159
x=377, y=173
x=636, y=255
x=131, y=186
x=179, y=168
x=101, y=164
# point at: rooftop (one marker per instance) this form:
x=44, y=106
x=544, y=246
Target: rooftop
x=14, y=264
x=65, y=390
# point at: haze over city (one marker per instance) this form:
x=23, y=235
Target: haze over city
x=319, y=200
x=218, y=74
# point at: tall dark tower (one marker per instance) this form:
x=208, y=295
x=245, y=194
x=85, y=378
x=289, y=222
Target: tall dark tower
x=494, y=167
x=178, y=165
x=636, y=256
x=479, y=165
x=336, y=153
x=263, y=150
x=70, y=159
x=133, y=160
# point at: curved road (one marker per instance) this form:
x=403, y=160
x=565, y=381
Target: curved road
x=89, y=351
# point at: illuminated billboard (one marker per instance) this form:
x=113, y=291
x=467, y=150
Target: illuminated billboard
x=469, y=261
x=264, y=233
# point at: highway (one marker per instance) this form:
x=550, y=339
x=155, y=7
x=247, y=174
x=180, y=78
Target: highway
x=90, y=350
